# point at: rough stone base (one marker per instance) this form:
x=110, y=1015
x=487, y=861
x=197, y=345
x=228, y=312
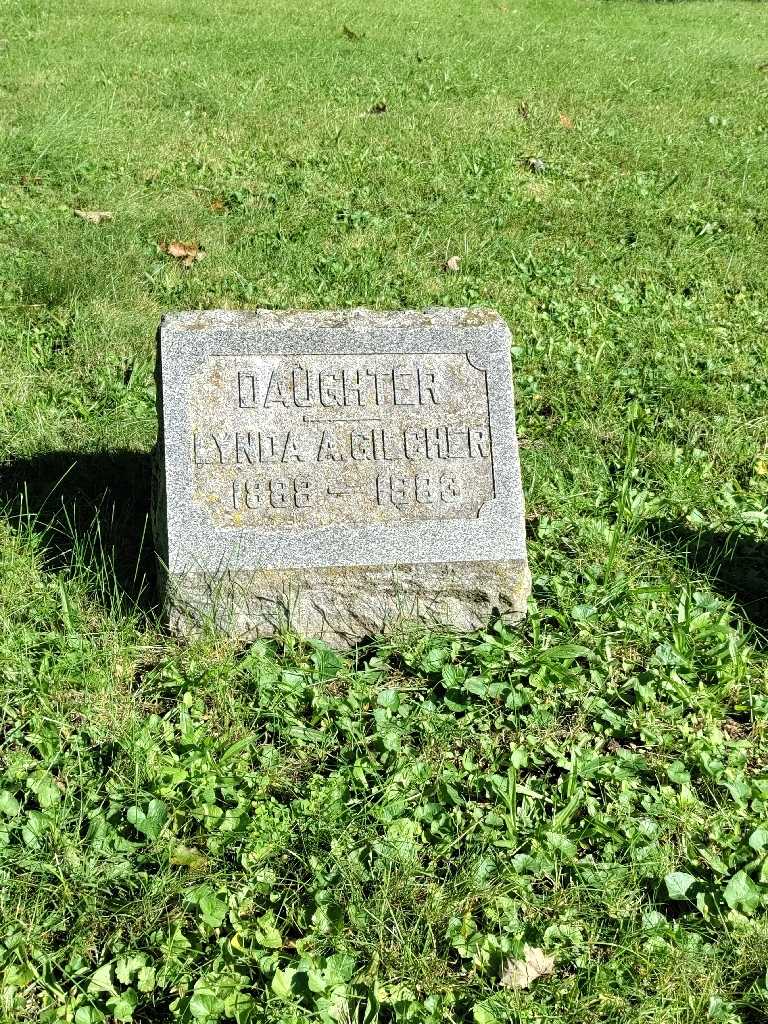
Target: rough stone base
x=342, y=605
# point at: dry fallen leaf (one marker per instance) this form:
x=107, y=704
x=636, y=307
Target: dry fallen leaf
x=566, y=121
x=380, y=107
x=523, y=110
x=94, y=216
x=452, y=264
x=351, y=34
x=736, y=730
x=218, y=205
x=520, y=973
x=187, y=252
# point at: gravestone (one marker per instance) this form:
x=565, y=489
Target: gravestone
x=337, y=472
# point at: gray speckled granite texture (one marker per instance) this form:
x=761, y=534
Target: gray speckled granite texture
x=337, y=473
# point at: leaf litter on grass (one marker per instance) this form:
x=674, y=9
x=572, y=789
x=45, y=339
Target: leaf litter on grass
x=187, y=253
x=94, y=216
x=520, y=974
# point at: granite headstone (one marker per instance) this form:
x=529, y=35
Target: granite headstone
x=337, y=472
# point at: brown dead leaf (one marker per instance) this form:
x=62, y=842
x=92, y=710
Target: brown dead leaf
x=565, y=121
x=379, y=107
x=187, y=252
x=218, y=205
x=451, y=265
x=350, y=34
x=736, y=730
x=94, y=216
x=523, y=110
x=519, y=974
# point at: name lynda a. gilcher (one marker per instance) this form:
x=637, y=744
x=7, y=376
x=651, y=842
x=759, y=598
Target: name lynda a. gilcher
x=360, y=444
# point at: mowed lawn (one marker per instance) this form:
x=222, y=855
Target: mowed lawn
x=194, y=831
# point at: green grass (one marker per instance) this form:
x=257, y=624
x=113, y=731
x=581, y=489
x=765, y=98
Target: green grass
x=283, y=834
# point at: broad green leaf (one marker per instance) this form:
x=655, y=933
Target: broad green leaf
x=653, y=919
x=676, y=772
x=482, y=1013
x=205, y=1002
x=326, y=661
x=88, y=1015
x=678, y=883
x=565, y=653
x=8, y=803
x=339, y=968
x=562, y=844
x=740, y=789
x=123, y=1005
x=476, y=686
x=177, y=944
x=242, y=1007
x=213, y=910
x=127, y=966
x=316, y=981
x=281, y=982
x=582, y=612
x=403, y=835
x=33, y=828
x=563, y=933
x=45, y=789
x=101, y=980
x=235, y=748
x=146, y=979
x=266, y=933
x=148, y=821
x=434, y=658
x=742, y=893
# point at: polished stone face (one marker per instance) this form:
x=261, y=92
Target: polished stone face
x=293, y=444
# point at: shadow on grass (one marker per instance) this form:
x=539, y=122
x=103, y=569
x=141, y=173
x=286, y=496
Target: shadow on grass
x=90, y=509
x=737, y=565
